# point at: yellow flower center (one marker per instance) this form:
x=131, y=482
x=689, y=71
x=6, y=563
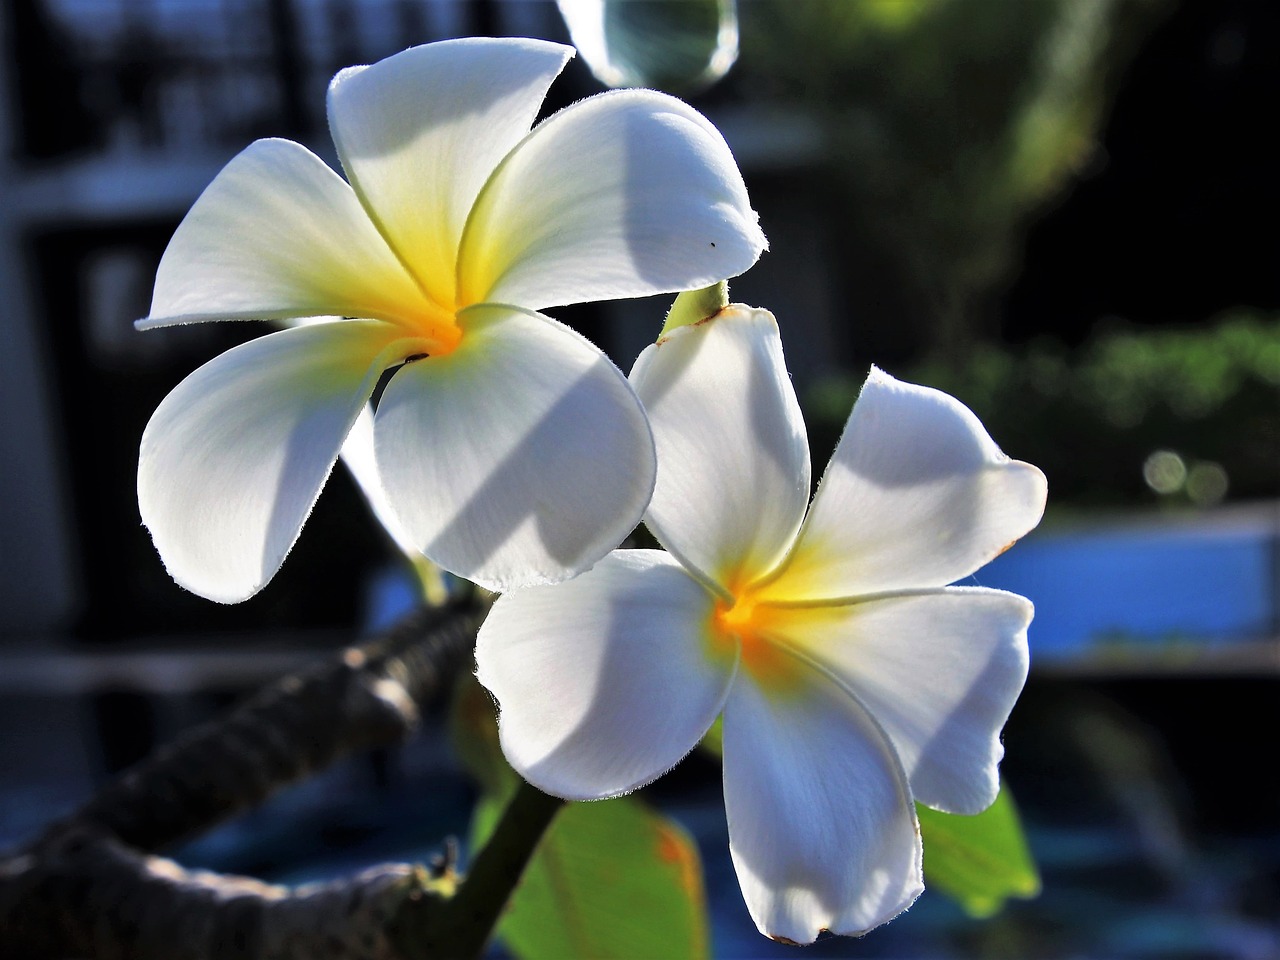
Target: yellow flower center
x=753, y=625
x=442, y=339
x=437, y=327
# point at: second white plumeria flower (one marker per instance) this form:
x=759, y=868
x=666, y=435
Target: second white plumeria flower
x=852, y=679
x=513, y=451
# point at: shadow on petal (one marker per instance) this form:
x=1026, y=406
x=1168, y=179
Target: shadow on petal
x=940, y=776
x=569, y=491
x=605, y=682
x=300, y=469
x=822, y=829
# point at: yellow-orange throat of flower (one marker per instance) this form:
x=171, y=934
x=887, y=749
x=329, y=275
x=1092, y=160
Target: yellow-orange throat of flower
x=755, y=626
x=438, y=329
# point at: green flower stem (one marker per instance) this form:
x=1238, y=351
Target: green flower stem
x=694, y=306
x=461, y=925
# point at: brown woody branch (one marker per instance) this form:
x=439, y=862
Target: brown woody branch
x=87, y=888
x=87, y=895
x=367, y=696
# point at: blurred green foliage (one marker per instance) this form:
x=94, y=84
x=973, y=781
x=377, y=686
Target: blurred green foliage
x=948, y=124
x=1094, y=417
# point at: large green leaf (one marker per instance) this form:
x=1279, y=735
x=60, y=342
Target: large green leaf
x=609, y=879
x=979, y=861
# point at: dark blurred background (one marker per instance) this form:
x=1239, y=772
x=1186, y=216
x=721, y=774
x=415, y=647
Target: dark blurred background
x=1061, y=211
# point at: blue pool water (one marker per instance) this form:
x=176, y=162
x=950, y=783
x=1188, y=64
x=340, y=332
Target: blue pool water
x=1208, y=581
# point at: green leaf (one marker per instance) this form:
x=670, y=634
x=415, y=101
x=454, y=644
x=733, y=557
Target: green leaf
x=611, y=879
x=979, y=861
x=713, y=740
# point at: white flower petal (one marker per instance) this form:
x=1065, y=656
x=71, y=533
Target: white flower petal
x=822, y=828
x=916, y=495
x=277, y=234
x=419, y=133
x=733, y=455
x=522, y=457
x=359, y=456
x=234, y=458
x=607, y=681
x=623, y=194
x=940, y=671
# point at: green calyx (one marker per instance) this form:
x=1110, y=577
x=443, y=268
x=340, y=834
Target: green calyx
x=694, y=306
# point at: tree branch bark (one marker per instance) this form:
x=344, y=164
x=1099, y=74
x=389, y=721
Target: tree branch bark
x=367, y=696
x=84, y=894
x=87, y=887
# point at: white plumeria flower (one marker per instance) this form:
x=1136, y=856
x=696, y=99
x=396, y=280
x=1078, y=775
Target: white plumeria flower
x=515, y=452
x=851, y=678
